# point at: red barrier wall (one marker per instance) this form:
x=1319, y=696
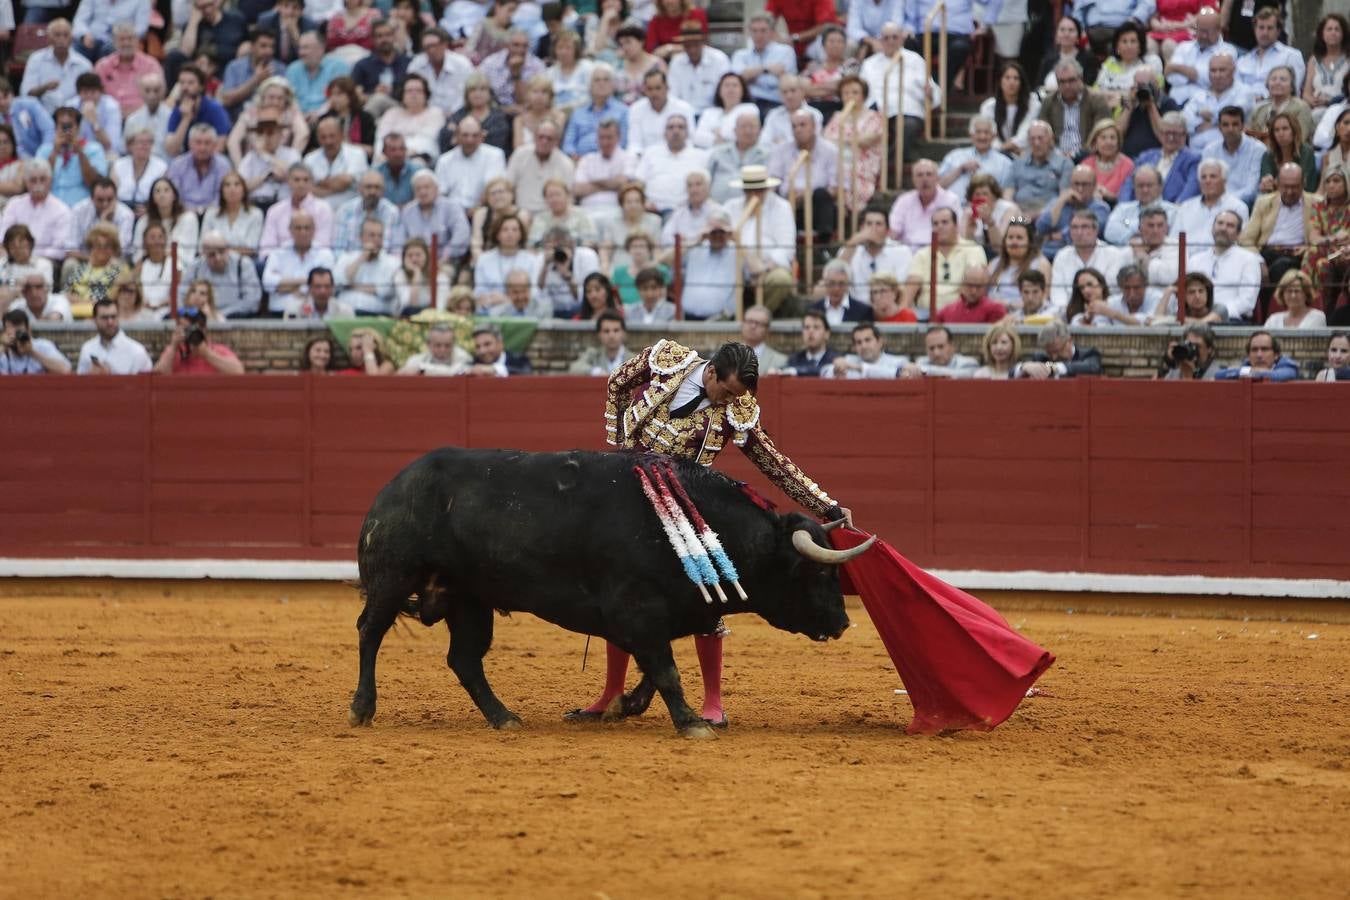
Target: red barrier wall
x=1094, y=475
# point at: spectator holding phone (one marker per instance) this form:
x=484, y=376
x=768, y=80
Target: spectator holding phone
x=111, y=352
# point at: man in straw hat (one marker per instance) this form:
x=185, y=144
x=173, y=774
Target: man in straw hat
x=767, y=236
x=668, y=399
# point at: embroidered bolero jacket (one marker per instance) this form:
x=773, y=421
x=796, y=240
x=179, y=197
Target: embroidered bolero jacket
x=637, y=417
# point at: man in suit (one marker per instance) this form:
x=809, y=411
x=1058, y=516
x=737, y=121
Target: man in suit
x=815, y=354
x=1281, y=222
x=609, y=353
x=490, y=357
x=755, y=331
x=1059, y=356
x=1073, y=108
x=1175, y=162
x=837, y=306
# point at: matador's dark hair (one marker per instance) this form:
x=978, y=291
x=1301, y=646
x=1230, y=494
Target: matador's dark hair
x=734, y=358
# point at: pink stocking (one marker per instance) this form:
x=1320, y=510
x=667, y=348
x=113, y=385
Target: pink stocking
x=616, y=669
x=709, y=648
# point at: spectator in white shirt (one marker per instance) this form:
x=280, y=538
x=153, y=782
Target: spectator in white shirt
x=443, y=69
x=335, y=165
x=1084, y=251
x=695, y=73
x=1202, y=110
x=710, y=271
x=111, y=352
x=1235, y=270
x=895, y=98
x=1195, y=217
x=464, y=172
x=777, y=128
x=870, y=251
x=154, y=115
x=664, y=167
x=599, y=175
x=506, y=256
x=717, y=124
x=1269, y=53
x=1187, y=69
x=366, y=276
x=768, y=237
x=869, y=358
x=647, y=117
x=287, y=270
x=689, y=219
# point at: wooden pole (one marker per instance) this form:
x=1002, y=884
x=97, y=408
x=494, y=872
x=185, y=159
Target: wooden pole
x=853, y=180
x=173, y=280
x=759, y=248
x=845, y=114
x=751, y=209
x=1181, y=278
x=678, y=287
x=942, y=68
x=900, y=126
x=433, y=269
x=807, y=209
x=932, y=275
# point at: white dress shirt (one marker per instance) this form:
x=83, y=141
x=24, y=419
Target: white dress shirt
x=873, y=71
x=1105, y=259
x=447, y=87
x=378, y=274
x=120, y=356
x=894, y=258
x=775, y=237
x=1197, y=220
x=777, y=128
x=463, y=178
x=596, y=167
x=664, y=173
x=696, y=85
x=647, y=127
x=1236, y=273
x=286, y=264
x=884, y=366
x=350, y=160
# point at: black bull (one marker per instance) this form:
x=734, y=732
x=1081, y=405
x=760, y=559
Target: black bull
x=570, y=538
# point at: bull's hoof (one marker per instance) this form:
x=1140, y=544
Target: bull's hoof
x=698, y=731
x=511, y=724
x=615, y=711
x=357, y=719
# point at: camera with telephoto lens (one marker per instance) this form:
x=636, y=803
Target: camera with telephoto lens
x=1182, y=352
x=560, y=255
x=1144, y=94
x=22, y=336
x=195, y=334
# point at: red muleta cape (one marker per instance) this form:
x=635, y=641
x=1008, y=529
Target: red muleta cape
x=961, y=662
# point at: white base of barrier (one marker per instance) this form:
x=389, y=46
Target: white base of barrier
x=974, y=580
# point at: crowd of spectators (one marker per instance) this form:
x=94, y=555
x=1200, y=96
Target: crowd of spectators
x=598, y=159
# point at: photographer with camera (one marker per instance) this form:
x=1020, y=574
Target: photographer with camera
x=192, y=352
x=1191, y=358
x=23, y=354
x=1141, y=112
x=563, y=273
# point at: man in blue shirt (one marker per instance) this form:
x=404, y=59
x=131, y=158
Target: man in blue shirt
x=580, y=137
x=32, y=124
x=245, y=74
x=763, y=62
x=311, y=74
x=193, y=107
x=1263, y=362
x=75, y=163
x=397, y=171
x=1240, y=151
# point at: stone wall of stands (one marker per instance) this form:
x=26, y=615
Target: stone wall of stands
x=1231, y=479
x=276, y=347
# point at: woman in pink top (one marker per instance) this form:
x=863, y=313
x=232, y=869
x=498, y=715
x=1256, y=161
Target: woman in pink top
x=1113, y=168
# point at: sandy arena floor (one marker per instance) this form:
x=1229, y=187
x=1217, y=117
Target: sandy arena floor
x=187, y=747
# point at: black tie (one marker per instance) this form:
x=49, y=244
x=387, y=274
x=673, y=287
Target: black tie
x=689, y=408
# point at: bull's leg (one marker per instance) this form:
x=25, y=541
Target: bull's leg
x=371, y=626
x=470, y=637
x=658, y=664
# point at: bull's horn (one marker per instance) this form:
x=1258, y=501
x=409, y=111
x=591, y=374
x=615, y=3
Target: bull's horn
x=831, y=526
x=801, y=540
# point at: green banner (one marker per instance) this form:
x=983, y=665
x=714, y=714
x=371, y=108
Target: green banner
x=406, y=337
